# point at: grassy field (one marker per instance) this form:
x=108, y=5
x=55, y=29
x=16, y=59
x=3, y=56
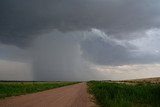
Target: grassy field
x=17, y=88
x=125, y=95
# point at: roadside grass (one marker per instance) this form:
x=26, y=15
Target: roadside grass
x=8, y=89
x=125, y=95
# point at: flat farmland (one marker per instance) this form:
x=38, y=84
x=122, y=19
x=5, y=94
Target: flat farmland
x=130, y=93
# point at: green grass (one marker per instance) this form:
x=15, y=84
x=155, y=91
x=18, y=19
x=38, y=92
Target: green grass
x=8, y=89
x=125, y=95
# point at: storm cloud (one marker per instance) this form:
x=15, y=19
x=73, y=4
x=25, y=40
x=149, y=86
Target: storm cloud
x=21, y=20
x=59, y=55
x=62, y=39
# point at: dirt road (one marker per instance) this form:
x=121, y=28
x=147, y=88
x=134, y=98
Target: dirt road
x=68, y=96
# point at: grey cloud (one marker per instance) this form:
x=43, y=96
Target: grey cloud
x=21, y=19
x=60, y=55
x=108, y=51
x=104, y=53
x=66, y=53
x=14, y=53
x=57, y=56
x=146, y=59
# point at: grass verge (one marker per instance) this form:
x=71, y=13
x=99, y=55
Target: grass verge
x=125, y=95
x=8, y=89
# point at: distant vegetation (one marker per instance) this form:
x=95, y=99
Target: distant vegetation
x=17, y=88
x=155, y=80
x=108, y=94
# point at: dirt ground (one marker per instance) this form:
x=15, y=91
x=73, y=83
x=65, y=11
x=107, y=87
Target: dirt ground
x=68, y=96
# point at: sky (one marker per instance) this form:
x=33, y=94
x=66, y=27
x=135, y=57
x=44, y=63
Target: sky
x=68, y=40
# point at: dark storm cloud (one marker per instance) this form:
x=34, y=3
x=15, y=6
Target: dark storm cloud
x=62, y=39
x=109, y=53
x=21, y=19
x=100, y=48
x=104, y=53
x=59, y=57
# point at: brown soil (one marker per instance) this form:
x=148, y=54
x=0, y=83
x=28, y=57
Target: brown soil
x=68, y=96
